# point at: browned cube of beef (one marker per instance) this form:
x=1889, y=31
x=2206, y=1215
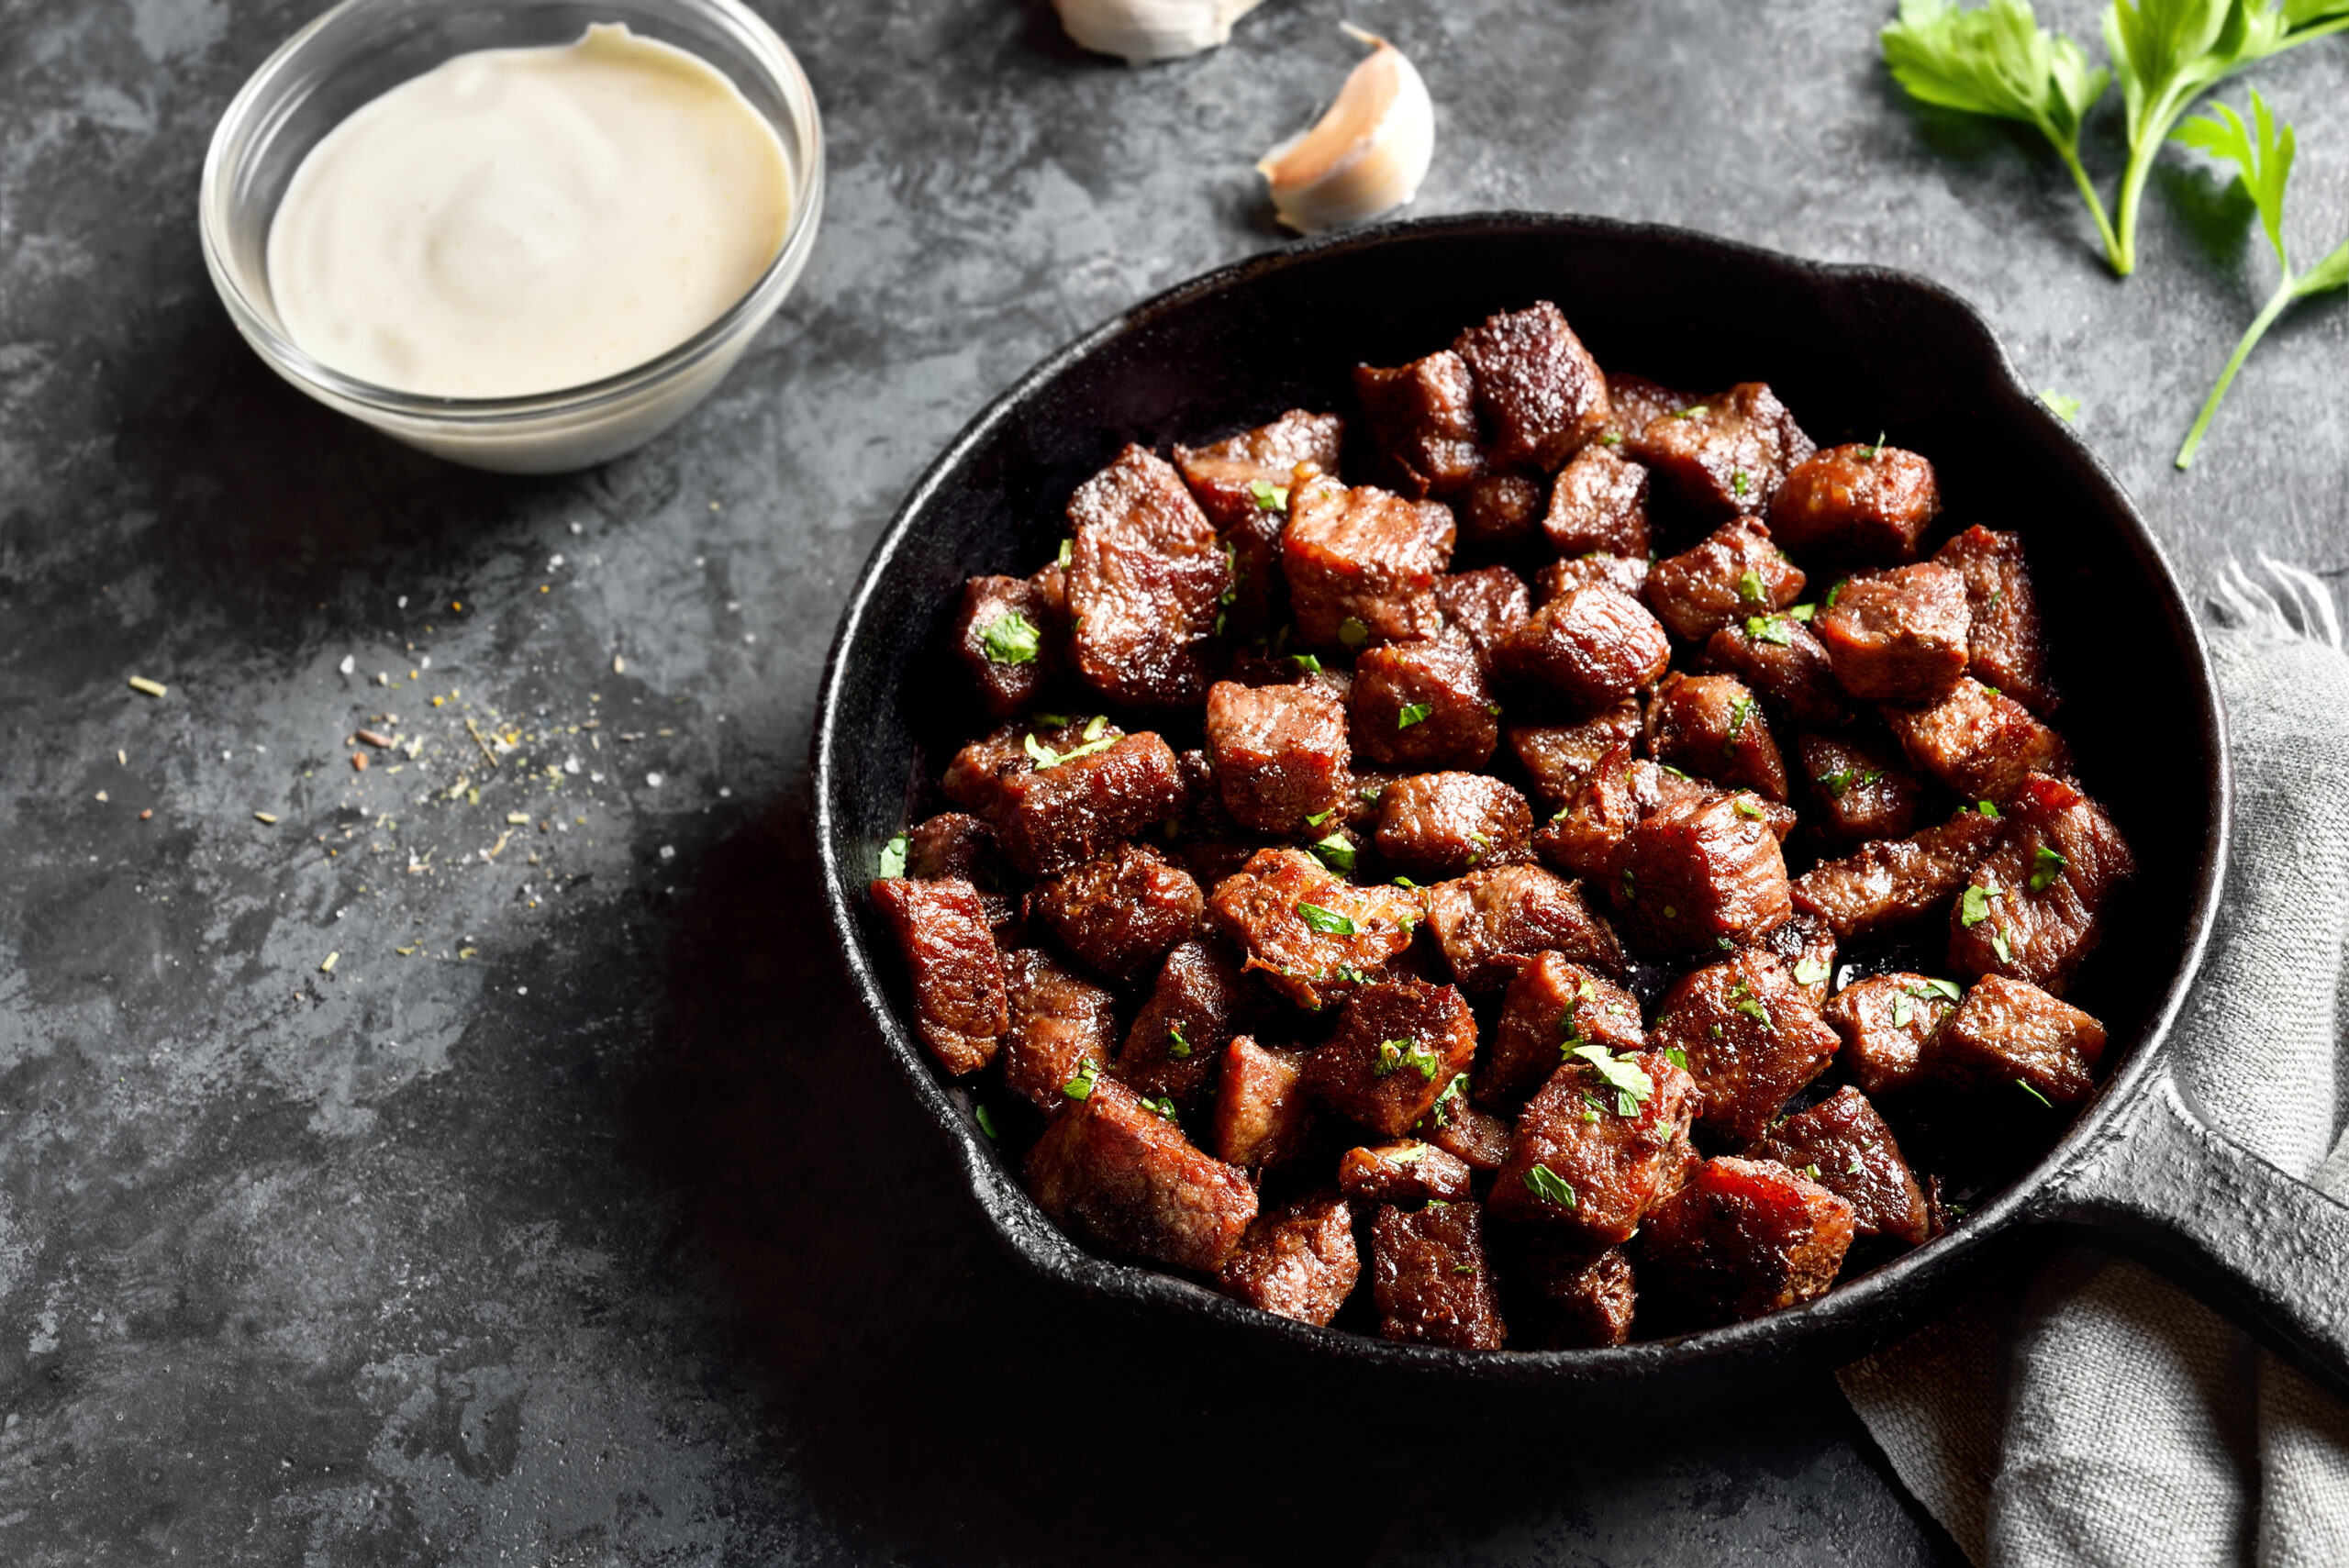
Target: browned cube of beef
x=1746, y=1237
x=1299, y=1260
x=1263, y=1115
x=1422, y=417
x=956, y=844
x=1594, y=1147
x=1805, y=945
x=1735, y=572
x=1751, y=1036
x=1979, y=742
x=1567, y=1300
x=1784, y=665
x=1361, y=564
x=1119, y=1177
x=2005, y=646
x=1595, y=647
x=1492, y=923
x=1053, y=819
x=1727, y=454
x=1856, y=790
x=2010, y=1032
x=1620, y=793
x=1477, y=1139
x=1895, y=635
x=1121, y=911
x=1280, y=753
x=1313, y=935
x=1633, y=402
x=1439, y=824
x=1624, y=573
x=1893, y=882
x=1554, y=1007
x=1889, y=1024
x=1599, y=504
x=1711, y=726
x=1844, y=1146
x=1482, y=608
x=1694, y=872
x=1561, y=758
x=1540, y=392
x=976, y=778
x=1059, y=1021
x=1409, y=1173
x=1199, y=1003
x=2034, y=908
x=1431, y=1279
x=1423, y=704
x=1856, y=504
x=1146, y=582
x=1229, y=478
x=1008, y=636
x=1398, y=1046
x=942, y=928
x=1499, y=512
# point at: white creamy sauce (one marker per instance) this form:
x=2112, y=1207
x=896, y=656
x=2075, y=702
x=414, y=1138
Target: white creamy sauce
x=523, y=220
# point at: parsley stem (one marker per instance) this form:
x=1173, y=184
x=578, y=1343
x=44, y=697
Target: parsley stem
x=2276, y=306
x=2070, y=152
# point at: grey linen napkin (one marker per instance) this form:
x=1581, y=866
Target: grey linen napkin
x=2097, y=1413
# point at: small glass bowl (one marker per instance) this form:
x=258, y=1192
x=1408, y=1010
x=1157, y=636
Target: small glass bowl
x=361, y=50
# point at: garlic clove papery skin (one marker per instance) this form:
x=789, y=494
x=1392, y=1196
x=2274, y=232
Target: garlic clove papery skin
x=1365, y=156
x=1138, y=31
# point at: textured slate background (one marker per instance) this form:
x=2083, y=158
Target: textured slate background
x=616, y=1241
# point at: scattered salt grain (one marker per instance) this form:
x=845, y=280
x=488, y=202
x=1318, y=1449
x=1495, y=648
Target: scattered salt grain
x=668, y=851
x=653, y=780
x=350, y=663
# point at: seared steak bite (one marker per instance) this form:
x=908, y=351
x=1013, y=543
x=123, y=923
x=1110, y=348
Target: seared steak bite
x=1895, y=635
x=1429, y=1278
x=1856, y=504
x=1053, y=819
x=2009, y=1031
x=1398, y=1046
x=1805, y=945
x=1746, y=1237
x=1263, y=1115
x=1540, y=392
x=1314, y=936
x=975, y=778
x=956, y=844
x=1299, y=1260
x=1423, y=418
x=2004, y=645
x=1844, y=1146
x=942, y=928
x=1423, y=704
x=1565, y=1299
x=1889, y=1024
x=1438, y=825
x=1734, y=572
x=1118, y=1175
x=1012, y=638
x=1632, y=401
x=1476, y=1137
x=1492, y=923
x=1146, y=582
x=1697, y=872
x=1561, y=758
x=1979, y=742
x=1482, y=608
x=1229, y=477
x=1751, y=1036
x=1406, y=1172
x=1710, y=725
x=1856, y=791
x=1620, y=793
x=1626, y=574
x=1498, y=512
x=1594, y=647
x=1121, y=911
x=1727, y=454
x=1361, y=564
x=1280, y=753
x=1554, y=1007
x=1785, y=666
x=1200, y=1001
x=1595, y=1147
x=1059, y=1022
x=1600, y=503
x=2034, y=908
x=1892, y=881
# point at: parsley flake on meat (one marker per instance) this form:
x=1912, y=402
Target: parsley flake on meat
x=1010, y=639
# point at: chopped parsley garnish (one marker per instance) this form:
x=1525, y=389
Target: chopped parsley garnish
x=1811, y=1171
x=1803, y=612
x=1547, y=1183
x=1463, y=1268
x=1853, y=1167
x=892, y=858
x=1269, y=497
x=1696, y=411
x=1975, y=907
x=1307, y=663
x=1176, y=1046
x=1164, y=1106
x=1068, y=551
x=1326, y=921
x=1395, y=1053
x=1629, y=1081
x=1337, y=852
x=1840, y=583
x=1748, y=806
x=1413, y=713
x=1744, y=1000
x=1044, y=757
x=1902, y=1011
x=1739, y=483
x=1453, y=1096
x=1406, y=881
x=1770, y=628
x=985, y=1119
x=1319, y=818
x=2046, y=865
x=1987, y=808
x=1081, y=1086
x=1738, y=710
x=1677, y=1056
x=1352, y=633
x=2024, y=1085
x=1612, y=438
x=1809, y=971
x=1998, y=944
x=1749, y=585
x=1009, y=640
x=1939, y=987
x=1670, y=913
x=1842, y=779
x=1676, y=773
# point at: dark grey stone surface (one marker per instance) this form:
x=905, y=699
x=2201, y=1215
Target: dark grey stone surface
x=595, y=1229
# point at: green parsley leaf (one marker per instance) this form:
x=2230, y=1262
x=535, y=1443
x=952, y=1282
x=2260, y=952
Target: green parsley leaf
x=2065, y=407
x=1738, y=711
x=1803, y=612
x=1307, y=663
x=1405, y=882
x=1176, y=1046
x=1947, y=988
x=1998, y=945
x=1044, y=757
x=1454, y=1095
x=1836, y=588
x=1319, y=818
x=1081, y=1086
x=1164, y=1106
x=1749, y=585
x=1809, y=971
x=1988, y=808
x=1902, y=1011
x=1545, y=1183
x=1677, y=1056
x=892, y=858
x=1744, y=1000
x=1739, y=483
x=1612, y=438
x=985, y=1119
x=2046, y=865
x=1770, y=628
x=1974, y=908
x=1811, y=1171
x=1413, y=713
x=1624, y=1076
x=1068, y=552
x=1337, y=852
x=1009, y=640
x=2024, y=1085
x=1746, y=807
x=1395, y=1053
x=1326, y=921
x=1463, y=1268
x=1269, y=497
x=1352, y=633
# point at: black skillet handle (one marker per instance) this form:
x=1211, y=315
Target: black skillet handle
x=2270, y=1252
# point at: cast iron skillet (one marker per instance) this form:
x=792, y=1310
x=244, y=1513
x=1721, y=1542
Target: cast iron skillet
x=1854, y=352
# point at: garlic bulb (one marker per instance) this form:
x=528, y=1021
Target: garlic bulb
x=1139, y=31
x=1366, y=156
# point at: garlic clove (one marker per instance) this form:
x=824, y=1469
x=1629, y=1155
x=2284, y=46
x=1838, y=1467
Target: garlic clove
x=1138, y=31
x=1366, y=156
